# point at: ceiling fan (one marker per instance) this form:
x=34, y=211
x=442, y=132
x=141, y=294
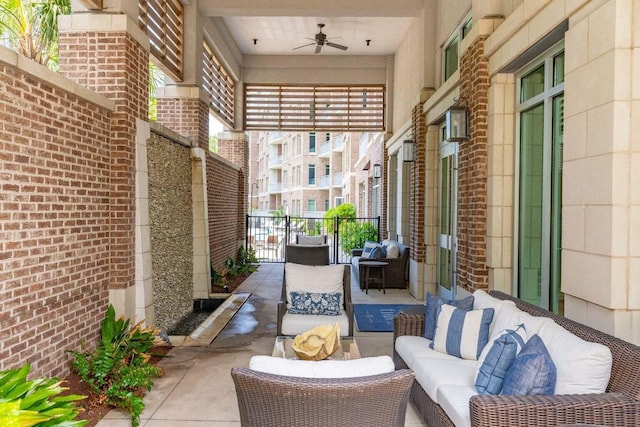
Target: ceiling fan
x=321, y=40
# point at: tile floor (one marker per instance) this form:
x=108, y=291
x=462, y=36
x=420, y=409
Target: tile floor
x=198, y=391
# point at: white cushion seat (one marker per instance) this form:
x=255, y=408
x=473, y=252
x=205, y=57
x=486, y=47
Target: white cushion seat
x=324, y=368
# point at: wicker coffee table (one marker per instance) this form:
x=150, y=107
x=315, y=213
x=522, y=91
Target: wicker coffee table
x=348, y=349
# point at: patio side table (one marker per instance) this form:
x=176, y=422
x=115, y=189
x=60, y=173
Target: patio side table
x=379, y=279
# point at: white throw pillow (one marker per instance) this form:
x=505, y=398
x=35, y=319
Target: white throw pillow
x=393, y=251
x=324, y=368
x=324, y=279
x=582, y=367
x=310, y=240
x=461, y=333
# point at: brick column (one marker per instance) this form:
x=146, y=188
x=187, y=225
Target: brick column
x=109, y=54
x=418, y=186
x=234, y=147
x=184, y=110
x=472, y=272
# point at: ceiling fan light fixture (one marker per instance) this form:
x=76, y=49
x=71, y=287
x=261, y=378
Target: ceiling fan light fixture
x=321, y=40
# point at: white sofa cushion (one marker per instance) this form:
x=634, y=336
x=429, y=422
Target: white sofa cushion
x=454, y=400
x=324, y=368
x=314, y=278
x=433, y=372
x=393, y=251
x=411, y=347
x=295, y=324
x=509, y=315
x=482, y=300
x=582, y=366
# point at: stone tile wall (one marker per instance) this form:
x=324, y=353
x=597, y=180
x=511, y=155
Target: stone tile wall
x=171, y=222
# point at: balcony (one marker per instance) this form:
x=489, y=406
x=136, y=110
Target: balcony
x=337, y=179
x=323, y=181
x=275, y=138
x=324, y=149
x=275, y=162
x=338, y=142
x=275, y=187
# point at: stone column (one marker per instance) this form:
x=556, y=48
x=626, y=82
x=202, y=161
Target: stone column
x=601, y=170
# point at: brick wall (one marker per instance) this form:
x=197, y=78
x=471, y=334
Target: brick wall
x=54, y=221
x=227, y=208
x=188, y=117
x=114, y=64
x=472, y=171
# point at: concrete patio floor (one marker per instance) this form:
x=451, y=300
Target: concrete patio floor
x=197, y=390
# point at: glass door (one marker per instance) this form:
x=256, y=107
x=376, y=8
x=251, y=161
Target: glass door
x=539, y=218
x=447, y=236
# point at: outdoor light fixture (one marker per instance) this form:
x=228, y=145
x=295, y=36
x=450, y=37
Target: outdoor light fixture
x=409, y=150
x=457, y=121
x=377, y=171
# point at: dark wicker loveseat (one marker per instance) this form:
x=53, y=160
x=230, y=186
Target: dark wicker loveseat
x=619, y=406
x=396, y=272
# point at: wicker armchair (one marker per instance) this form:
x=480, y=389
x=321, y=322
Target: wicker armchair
x=619, y=406
x=273, y=401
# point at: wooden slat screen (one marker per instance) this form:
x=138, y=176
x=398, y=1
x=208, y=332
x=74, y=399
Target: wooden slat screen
x=163, y=22
x=219, y=86
x=304, y=108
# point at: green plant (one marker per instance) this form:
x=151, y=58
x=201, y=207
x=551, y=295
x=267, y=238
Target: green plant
x=353, y=234
x=119, y=367
x=35, y=402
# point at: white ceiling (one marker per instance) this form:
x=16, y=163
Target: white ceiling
x=279, y=35
x=281, y=25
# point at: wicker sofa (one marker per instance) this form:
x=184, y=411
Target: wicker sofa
x=619, y=405
x=396, y=273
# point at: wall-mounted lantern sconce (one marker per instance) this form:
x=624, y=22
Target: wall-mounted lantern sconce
x=377, y=171
x=409, y=150
x=457, y=121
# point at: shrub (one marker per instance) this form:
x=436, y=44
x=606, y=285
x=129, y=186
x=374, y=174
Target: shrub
x=353, y=234
x=119, y=366
x=35, y=402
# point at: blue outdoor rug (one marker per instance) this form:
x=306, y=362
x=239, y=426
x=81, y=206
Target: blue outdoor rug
x=379, y=317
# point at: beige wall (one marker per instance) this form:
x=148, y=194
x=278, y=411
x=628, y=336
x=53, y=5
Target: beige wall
x=600, y=261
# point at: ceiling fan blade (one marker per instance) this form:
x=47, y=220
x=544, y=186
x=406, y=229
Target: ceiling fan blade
x=338, y=46
x=318, y=48
x=304, y=45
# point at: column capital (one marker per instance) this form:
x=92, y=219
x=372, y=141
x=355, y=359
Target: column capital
x=103, y=22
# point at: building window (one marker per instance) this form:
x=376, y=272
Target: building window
x=327, y=170
x=162, y=21
x=311, y=204
x=540, y=107
x=312, y=142
x=326, y=205
x=219, y=85
x=327, y=137
x=466, y=27
x=451, y=58
x=312, y=174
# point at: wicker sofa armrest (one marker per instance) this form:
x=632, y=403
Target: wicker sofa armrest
x=356, y=252
x=610, y=409
x=282, y=309
x=408, y=324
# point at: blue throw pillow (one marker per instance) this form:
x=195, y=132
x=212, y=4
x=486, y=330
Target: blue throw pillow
x=315, y=303
x=462, y=333
x=378, y=252
x=431, y=309
x=532, y=371
x=368, y=247
x=495, y=362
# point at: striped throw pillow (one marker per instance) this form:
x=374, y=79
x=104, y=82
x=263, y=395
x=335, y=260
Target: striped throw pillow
x=462, y=333
x=368, y=247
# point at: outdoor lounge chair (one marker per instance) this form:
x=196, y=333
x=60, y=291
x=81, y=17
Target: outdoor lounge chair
x=275, y=400
x=316, y=279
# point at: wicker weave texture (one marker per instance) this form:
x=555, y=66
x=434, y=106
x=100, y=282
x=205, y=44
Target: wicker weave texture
x=618, y=407
x=267, y=400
